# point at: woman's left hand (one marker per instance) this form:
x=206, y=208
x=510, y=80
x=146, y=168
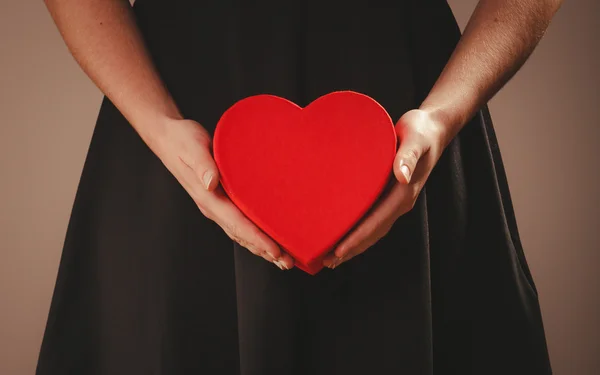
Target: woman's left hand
x=422, y=140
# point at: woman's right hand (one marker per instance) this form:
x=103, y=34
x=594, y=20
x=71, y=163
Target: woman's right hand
x=123, y=70
x=184, y=147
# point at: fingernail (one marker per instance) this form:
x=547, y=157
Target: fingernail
x=207, y=178
x=405, y=171
x=280, y=264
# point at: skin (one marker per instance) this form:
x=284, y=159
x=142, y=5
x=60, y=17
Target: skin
x=103, y=38
x=498, y=39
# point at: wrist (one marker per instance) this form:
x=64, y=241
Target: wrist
x=449, y=120
x=154, y=129
x=152, y=123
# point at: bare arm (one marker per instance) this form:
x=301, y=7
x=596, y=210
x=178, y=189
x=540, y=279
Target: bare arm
x=500, y=36
x=104, y=39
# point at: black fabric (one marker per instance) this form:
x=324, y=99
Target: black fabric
x=147, y=285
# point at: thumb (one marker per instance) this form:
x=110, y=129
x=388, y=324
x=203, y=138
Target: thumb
x=412, y=148
x=195, y=152
x=206, y=168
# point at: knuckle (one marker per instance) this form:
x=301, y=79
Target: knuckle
x=229, y=227
x=254, y=250
x=205, y=143
x=345, y=249
x=205, y=211
x=192, y=162
x=244, y=245
x=202, y=136
x=346, y=258
x=247, y=245
x=238, y=240
x=265, y=256
x=411, y=155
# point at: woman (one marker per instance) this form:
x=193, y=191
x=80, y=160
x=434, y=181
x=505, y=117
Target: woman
x=433, y=280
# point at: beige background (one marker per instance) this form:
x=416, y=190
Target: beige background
x=546, y=119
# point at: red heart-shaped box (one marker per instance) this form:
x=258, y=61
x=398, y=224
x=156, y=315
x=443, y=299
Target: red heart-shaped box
x=305, y=176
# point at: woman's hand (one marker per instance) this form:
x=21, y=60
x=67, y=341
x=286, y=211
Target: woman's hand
x=422, y=140
x=123, y=70
x=184, y=148
x=496, y=42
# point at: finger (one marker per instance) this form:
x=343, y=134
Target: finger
x=407, y=157
x=412, y=147
x=330, y=261
x=351, y=245
x=286, y=260
x=232, y=220
x=282, y=264
x=218, y=207
x=375, y=225
x=368, y=242
x=201, y=161
x=207, y=170
x=333, y=261
x=353, y=249
x=371, y=228
x=234, y=234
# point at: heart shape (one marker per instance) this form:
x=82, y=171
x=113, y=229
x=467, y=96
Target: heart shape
x=305, y=176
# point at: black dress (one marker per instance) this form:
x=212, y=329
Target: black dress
x=148, y=285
